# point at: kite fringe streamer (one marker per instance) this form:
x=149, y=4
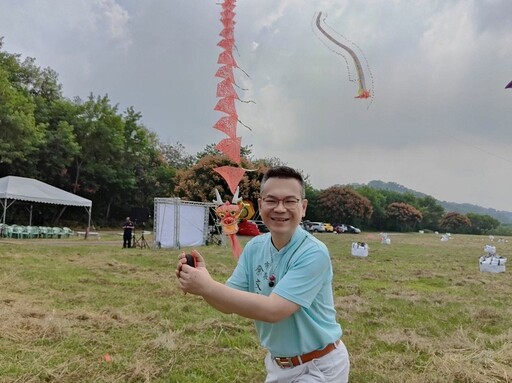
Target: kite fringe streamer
x=236, y=248
x=245, y=125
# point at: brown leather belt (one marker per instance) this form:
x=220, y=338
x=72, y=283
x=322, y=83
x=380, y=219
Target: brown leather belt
x=292, y=361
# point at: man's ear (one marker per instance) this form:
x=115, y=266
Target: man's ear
x=304, y=207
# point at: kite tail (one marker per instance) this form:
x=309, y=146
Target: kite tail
x=236, y=248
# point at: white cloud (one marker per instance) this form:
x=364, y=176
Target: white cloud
x=116, y=19
x=439, y=70
x=450, y=45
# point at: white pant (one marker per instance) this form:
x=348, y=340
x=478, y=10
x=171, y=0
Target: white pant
x=331, y=368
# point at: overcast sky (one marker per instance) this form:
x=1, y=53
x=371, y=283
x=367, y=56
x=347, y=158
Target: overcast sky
x=439, y=121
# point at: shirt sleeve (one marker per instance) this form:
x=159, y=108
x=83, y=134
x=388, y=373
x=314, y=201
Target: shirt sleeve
x=306, y=275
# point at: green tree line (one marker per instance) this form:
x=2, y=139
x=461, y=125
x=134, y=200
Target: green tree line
x=92, y=149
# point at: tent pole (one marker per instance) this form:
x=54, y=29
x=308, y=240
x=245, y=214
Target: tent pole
x=89, y=223
x=5, y=208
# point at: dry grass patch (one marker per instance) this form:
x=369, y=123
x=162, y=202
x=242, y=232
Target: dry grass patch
x=417, y=311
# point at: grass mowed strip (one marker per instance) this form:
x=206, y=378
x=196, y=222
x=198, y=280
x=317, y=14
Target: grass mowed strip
x=417, y=310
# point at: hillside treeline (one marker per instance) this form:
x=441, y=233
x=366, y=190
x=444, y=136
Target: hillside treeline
x=92, y=149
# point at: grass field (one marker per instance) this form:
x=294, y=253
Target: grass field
x=417, y=310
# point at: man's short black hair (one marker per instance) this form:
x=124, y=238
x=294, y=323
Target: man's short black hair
x=284, y=172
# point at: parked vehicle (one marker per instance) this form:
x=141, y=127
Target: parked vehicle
x=347, y=229
x=329, y=228
x=315, y=227
x=353, y=229
x=340, y=229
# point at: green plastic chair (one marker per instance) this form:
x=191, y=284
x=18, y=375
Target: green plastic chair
x=67, y=232
x=17, y=231
x=33, y=231
x=57, y=232
x=44, y=232
x=3, y=230
x=8, y=232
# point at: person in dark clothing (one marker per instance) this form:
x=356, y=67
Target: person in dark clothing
x=127, y=233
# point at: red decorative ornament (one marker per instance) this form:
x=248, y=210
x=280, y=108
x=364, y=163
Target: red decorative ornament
x=225, y=89
x=231, y=148
x=232, y=175
x=227, y=124
x=226, y=105
x=227, y=44
x=226, y=58
x=226, y=71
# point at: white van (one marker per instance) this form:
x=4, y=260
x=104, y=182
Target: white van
x=316, y=227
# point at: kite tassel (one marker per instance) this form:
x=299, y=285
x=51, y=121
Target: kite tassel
x=236, y=248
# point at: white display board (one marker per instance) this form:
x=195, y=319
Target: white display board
x=180, y=223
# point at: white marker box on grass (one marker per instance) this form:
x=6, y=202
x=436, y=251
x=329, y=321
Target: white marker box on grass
x=493, y=263
x=360, y=249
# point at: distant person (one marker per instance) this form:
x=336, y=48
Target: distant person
x=127, y=233
x=283, y=281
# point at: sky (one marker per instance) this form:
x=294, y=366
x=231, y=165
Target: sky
x=439, y=120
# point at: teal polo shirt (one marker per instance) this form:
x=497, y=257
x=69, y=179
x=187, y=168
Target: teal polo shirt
x=303, y=275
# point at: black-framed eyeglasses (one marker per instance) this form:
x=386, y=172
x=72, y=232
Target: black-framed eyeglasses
x=288, y=202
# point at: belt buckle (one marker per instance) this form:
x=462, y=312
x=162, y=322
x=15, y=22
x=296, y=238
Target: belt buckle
x=284, y=362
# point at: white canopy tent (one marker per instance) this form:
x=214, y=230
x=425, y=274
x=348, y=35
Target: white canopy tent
x=14, y=189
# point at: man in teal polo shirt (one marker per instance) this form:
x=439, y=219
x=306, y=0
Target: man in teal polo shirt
x=283, y=281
